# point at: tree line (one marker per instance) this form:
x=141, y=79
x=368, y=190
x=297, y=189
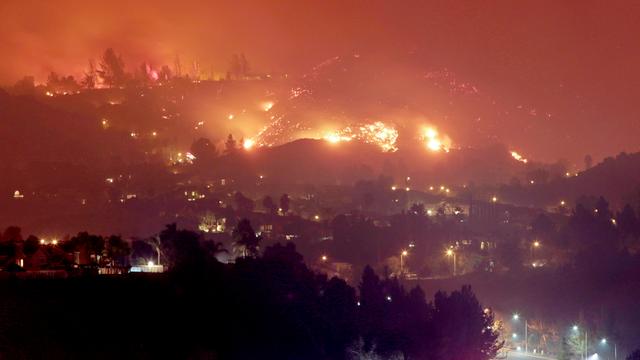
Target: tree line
x=268, y=304
x=110, y=71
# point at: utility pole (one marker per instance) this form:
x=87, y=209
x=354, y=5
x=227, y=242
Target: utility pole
x=526, y=337
x=586, y=348
x=454, y=264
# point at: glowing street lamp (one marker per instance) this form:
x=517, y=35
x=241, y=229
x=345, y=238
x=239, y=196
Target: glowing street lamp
x=402, y=255
x=604, y=343
x=452, y=254
x=585, y=345
x=516, y=317
x=534, y=245
x=324, y=258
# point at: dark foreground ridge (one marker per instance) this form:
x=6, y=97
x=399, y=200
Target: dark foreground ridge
x=260, y=307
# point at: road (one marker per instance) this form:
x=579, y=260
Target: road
x=521, y=356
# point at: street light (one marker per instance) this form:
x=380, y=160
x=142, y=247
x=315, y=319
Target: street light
x=534, y=245
x=402, y=255
x=585, y=345
x=604, y=343
x=516, y=317
x=452, y=254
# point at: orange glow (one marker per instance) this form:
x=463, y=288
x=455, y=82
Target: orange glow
x=266, y=106
x=434, y=144
x=519, y=157
x=335, y=138
x=248, y=144
x=434, y=141
x=375, y=133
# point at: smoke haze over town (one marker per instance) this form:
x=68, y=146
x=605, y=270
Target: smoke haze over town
x=330, y=180
x=574, y=61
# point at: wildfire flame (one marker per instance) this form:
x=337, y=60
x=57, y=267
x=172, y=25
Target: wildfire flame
x=375, y=133
x=248, y=144
x=266, y=106
x=518, y=157
x=434, y=141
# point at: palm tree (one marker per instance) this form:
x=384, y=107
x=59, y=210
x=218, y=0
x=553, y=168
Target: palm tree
x=155, y=243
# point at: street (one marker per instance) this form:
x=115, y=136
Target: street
x=522, y=356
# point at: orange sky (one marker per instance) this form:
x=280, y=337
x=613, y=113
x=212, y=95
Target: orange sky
x=576, y=59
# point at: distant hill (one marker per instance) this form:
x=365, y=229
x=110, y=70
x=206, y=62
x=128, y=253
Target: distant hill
x=34, y=131
x=320, y=162
x=615, y=178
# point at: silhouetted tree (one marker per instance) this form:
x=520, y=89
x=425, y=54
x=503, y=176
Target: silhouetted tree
x=372, y=301
x=118, y=250
x=142, y=252
x=244, y=205
x=94, y=245
x=270, y=205
x=165, y=74
x=464, y=330
x=204, y=151
x=602, y=209
x=25, y=86
x=177, y=66
x=230, y=146
x=246, y=239
x=143, y=76
x=285, y=202
x=12, y=233
x=542, y=226
x=214, y=248
x=90, y=77
x=628, y=222
x=244, y=66
x=510, y=254
x=111, y=69
x=31, y=245
x=588, y=161
x=566, y=353
x=418, y=209
x=64, y=84
x=634, y=355
x=182, y=249
x=338, y=308
x=235, y=67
